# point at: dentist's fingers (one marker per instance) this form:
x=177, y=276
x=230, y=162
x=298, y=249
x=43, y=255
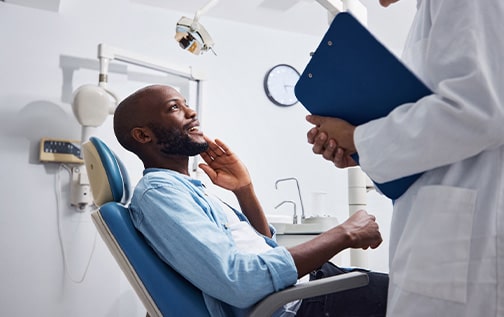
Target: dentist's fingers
x=330, y=150
x=342, y=159
x=338, y=157
x=319, y=143
x=315, y=120
x=312, y=134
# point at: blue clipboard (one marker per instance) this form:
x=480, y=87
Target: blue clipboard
x=354, y=77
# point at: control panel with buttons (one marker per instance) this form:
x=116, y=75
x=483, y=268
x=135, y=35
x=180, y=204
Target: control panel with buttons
x=60, y=150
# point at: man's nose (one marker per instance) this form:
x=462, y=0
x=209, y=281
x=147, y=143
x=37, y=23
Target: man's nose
x=189, y=112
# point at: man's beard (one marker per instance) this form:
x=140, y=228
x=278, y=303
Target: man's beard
x=174, y=142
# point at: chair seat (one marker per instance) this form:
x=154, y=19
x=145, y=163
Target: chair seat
x=169, y=294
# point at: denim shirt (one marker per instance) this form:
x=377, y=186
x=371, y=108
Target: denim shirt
x=188, y=231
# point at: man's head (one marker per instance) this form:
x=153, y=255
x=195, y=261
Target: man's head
x=156, y=124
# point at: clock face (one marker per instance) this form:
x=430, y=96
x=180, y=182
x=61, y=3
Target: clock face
x=279, y=84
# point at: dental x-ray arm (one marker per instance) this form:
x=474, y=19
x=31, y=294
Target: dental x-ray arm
x=108, y=53
x=92, y=104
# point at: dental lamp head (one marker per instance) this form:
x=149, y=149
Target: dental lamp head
x=193, y=37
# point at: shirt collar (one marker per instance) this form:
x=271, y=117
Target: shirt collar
x=194, y=181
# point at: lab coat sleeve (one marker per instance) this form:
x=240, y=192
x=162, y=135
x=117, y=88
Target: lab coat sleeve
x=456, y=49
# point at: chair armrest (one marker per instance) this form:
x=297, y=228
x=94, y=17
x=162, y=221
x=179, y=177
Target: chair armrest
x=270, y=304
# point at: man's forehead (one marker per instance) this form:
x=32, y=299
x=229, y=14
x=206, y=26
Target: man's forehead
x=170, y=93
x=160, y=95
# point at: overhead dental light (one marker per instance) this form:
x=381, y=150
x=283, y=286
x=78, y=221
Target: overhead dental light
x=191, y=35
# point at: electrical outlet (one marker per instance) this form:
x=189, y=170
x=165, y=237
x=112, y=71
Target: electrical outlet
x=60, y=150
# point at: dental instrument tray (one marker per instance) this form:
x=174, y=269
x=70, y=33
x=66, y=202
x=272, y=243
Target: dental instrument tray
x=352, y=76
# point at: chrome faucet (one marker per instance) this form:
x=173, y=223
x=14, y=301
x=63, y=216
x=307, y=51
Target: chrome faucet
x=299, y=193
x=294, y=218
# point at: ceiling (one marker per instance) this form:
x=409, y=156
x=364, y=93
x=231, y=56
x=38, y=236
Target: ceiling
x=300, y=16
x=51, y=5
x=390, y=25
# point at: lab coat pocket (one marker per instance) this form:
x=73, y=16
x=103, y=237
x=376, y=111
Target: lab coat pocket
x=432, y=258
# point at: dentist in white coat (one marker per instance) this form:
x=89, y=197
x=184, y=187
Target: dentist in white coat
x=447, y=233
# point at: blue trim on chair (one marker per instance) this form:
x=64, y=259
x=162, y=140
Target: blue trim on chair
x=112, y=168
x=173, y=294
x=125, y=181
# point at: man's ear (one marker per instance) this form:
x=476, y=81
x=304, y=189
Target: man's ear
x=141, y=135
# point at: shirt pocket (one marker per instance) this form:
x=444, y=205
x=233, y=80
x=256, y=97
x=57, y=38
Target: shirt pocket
x=432, y=258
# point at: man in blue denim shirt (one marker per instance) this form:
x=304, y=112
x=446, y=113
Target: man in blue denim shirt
x=230, y=255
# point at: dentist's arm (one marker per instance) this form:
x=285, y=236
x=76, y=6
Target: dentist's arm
x=226, y=170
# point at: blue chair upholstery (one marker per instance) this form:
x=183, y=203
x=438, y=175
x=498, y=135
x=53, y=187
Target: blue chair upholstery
x=161, y=289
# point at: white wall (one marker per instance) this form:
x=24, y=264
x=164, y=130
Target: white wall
x=45, y=55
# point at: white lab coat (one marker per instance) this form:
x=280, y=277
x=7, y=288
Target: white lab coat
x=447, y=232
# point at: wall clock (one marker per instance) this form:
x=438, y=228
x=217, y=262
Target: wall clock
x=279, y=84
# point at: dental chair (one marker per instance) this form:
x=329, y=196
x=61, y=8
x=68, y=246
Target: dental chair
x=162, y=290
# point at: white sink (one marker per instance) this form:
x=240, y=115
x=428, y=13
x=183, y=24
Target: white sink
x=311, y=226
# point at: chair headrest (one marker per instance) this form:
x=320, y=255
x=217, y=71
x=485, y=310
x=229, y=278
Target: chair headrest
x=107, y=175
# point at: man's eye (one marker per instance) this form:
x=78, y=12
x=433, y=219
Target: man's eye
x=174, y=107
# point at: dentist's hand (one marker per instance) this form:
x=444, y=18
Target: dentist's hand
x=325, y=135
x=223, y=167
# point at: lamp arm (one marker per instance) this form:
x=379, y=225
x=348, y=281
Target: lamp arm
x=210, y=4
x=107, y=53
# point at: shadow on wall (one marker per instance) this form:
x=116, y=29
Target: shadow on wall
x=38, y=118
x=128, y=305
x=35, y=120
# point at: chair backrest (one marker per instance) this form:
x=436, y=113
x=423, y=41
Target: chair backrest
x=162, y=290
